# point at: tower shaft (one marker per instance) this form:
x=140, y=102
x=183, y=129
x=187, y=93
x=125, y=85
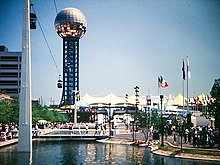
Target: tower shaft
x=25, y=104
x=70, y=70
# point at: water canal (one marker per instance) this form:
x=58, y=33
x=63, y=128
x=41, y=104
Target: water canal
x=79, y=153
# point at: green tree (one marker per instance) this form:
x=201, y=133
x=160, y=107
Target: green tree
x=214, y=107
x=8, y=111
x=145, y=120
x=14, y=113
x=42, y=113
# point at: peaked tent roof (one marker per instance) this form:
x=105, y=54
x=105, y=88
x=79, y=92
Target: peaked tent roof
x=202, y=99
x=111, y=98
x=93, y=100
x=178, y=100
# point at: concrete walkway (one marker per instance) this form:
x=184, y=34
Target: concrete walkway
x=169, y=140
x=139, y=136
x=8, y=142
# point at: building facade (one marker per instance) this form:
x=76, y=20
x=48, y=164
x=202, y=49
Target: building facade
x=10, y=72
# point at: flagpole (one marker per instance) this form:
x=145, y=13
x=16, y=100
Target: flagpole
x=159, y=85
x=187, y=84
x=159, y=90
x=183, y=94
x=183, y=79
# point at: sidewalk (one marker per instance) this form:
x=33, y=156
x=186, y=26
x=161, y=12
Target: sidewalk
x=125, y=134
x=8, y=142
x=171, y=142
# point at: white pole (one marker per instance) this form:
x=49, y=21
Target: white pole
x=187, y=84
x=183, y=77
x=75, y=110
x=25, y=108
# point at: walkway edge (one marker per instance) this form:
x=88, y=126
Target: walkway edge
x=107, y=140
x=183, y=157
x=191, y=148
x=8, y=143
x=156, y=151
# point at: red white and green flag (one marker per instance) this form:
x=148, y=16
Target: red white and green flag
x=162, y=83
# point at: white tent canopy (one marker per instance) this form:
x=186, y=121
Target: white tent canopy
x=179, y=100
x=113, y=100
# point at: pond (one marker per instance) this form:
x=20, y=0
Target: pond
x=89, y=152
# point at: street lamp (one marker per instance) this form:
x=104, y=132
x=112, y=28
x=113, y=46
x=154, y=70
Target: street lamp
x=76, y=97
x=161, y=118
x=136, y=88
x=126, y=99
x=181, y=135
x=109, y=120
x=126, y=103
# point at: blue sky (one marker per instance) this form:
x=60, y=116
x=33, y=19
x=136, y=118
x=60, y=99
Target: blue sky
x=127, y=43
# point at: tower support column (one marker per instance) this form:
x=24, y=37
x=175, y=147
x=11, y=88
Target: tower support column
x=70, y=72
x=25, y=106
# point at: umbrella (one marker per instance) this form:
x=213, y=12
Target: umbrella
x=42, y=121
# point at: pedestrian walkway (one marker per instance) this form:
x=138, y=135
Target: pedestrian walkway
x=8, y=142
x=140, y=136
x=177, y=144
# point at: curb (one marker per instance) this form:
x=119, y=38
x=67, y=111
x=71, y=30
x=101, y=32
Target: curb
x=8, y=143
x=183, y=157
x=114, y=142
x=155, y=149
x=192, y=148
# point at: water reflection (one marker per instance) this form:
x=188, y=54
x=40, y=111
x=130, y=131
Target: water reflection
x=24, y=158
x=71, y=153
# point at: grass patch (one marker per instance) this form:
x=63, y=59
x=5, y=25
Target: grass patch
x=207, y=153
x=168, y=148
x=188, y=151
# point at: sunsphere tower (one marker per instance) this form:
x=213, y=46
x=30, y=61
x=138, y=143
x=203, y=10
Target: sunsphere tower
x=70, y=24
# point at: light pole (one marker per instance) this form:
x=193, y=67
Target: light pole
x=181, y=136
x=126, y=110
x=109, y=120
x=126, y=99
x=148, y=98
x=161, y=118
x=76, y=97
x=136, y=88
x=181, y=125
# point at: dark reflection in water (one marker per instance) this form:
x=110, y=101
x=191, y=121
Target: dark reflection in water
x=91, y=153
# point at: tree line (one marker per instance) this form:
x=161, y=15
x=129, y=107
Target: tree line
x=9, y=112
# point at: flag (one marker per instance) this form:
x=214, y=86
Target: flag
x=183, y=69
x=159, y=81
x=188, y=69
x=162, y=83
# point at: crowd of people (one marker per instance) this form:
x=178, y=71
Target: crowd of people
x=8, y=131
x=200, y=136
x=100, y=128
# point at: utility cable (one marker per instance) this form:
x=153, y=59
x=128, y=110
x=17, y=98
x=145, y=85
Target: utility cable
x=54, y=1
x=46, y=42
